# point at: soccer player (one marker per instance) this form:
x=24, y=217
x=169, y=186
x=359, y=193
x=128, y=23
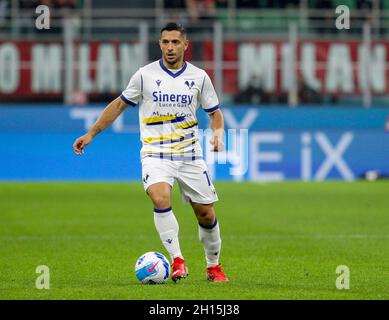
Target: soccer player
x=168, y=93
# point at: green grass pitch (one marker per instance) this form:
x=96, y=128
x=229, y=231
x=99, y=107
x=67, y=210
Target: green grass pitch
x=280, y=241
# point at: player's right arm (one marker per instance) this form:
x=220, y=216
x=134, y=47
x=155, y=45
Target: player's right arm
x=110, y=113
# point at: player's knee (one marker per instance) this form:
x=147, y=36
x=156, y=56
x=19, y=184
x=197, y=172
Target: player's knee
x=206, y=215
x=208, y=220
x=161, y=201
x=159, y=195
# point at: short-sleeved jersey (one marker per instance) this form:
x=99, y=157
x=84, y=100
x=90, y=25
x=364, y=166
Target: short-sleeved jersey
x=168, y=102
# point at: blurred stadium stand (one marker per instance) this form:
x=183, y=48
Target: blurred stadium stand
x=257, y=51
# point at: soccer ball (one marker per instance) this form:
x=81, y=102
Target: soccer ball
x=152, y=268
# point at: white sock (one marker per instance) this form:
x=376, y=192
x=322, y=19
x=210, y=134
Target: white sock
x=167, y=227
x=210, y=238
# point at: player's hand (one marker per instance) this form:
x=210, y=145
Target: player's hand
x=81, y=143
x=217, y=143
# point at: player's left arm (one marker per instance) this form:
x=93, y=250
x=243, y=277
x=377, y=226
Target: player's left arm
x=217, y=126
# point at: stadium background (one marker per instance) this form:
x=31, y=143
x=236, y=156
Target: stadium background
x=300, y=86
x=308, y=100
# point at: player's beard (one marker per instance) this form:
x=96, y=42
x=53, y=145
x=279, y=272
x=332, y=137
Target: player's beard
x=172, y=63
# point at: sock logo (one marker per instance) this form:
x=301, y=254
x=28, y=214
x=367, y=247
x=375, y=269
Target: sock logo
x=169, y=241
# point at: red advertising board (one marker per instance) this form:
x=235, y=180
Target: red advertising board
x=37, y=69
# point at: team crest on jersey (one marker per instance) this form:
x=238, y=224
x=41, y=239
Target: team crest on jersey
x=190, y=84
x=158, y=82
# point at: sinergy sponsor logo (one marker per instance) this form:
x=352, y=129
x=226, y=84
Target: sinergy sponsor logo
x=158, y=96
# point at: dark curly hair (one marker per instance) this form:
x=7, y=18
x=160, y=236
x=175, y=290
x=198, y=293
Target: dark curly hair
x=173, y=26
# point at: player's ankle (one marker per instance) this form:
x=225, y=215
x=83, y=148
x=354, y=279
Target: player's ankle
x=210, y=265
x=180, y=257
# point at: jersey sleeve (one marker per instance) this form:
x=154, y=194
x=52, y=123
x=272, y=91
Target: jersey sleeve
x=209, y=100
x=133, y=93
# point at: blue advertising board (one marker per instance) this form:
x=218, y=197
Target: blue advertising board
x=262, y=144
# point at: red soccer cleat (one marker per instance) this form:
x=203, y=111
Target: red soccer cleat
x=180, y=270
x=216, y=274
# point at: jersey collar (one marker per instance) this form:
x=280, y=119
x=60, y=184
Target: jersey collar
x=174, y=75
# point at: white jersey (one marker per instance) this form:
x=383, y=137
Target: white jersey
x=168, y=101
